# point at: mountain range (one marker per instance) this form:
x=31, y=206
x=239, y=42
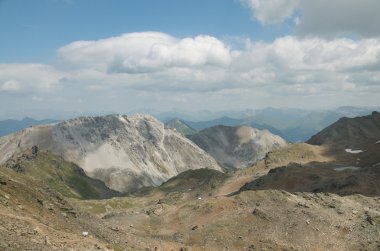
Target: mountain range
x=294, y=125
x=122, y=182
x=12, y=125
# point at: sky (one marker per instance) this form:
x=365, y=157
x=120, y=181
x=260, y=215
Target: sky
x=65, y=57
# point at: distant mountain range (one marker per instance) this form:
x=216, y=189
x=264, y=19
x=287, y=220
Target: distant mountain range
x=294, y=125
x=11, y=125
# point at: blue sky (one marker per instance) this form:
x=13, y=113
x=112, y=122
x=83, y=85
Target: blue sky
x=42, y=26
x=62, y=57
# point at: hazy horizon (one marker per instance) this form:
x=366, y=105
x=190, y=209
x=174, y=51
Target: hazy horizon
x=196, y=115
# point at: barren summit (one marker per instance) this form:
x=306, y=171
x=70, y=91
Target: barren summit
x=237, y=147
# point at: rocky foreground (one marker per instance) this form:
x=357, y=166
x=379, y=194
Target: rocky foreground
x=197, y=210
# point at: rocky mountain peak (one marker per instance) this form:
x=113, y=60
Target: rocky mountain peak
x=237, y=147
x=126, y=152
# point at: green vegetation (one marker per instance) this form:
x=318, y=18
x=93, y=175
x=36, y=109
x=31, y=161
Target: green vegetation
x=60, y=175
x=103, y=206
x=180, y=127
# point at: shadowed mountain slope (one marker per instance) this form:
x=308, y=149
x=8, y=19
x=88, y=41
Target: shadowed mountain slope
x=353, y=140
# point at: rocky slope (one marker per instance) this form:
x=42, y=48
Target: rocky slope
x=34, y=216
x=353, y=140
x=237, y=147
x=318, y=178
x=186, y=214
x=64, y=177
x=126, y=152
x=322, y=208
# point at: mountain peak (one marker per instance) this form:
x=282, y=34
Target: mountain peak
x=126, y=152
x=353, y=133
x=237, y=146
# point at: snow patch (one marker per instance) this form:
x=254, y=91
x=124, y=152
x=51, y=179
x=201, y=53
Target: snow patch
x=354, y=151
x=378, y=142
x=122, y=119
x=353, y=168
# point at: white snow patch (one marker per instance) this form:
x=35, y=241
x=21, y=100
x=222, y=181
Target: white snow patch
x=378, y=142
x=353, y=168
x=122, y=119
x=354, y=151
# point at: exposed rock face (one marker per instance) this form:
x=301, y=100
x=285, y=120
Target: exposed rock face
x=237, y=147
x=124, y=152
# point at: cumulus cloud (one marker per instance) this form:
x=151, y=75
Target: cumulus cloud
x=161, y=63
x=146, y=52
x=28, y=77
x=309, y=65
x=153, y=69
x=271, y=12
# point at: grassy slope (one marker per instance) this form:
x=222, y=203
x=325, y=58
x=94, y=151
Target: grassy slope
x=180, y=127
x=62, y=176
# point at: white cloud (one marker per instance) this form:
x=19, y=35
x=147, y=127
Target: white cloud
x=146, y=52
x=286, y=71
x=271, y=11
x=288, y=65
x=310, y=66
x=158, y=62
x=28, y=77
x=10, y=85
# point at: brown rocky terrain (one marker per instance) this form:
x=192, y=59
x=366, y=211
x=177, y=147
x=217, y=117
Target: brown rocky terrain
x=200, y=210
